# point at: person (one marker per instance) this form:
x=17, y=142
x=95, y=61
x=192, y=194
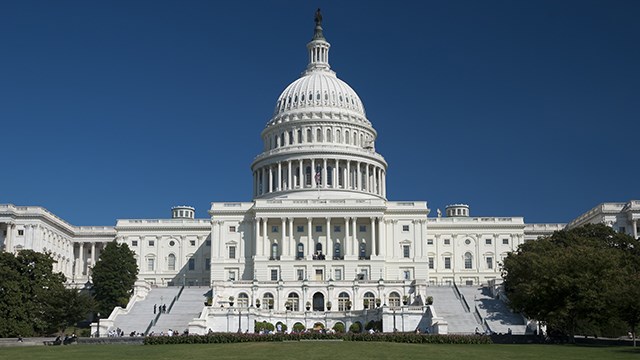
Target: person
x=509, y=332
x=164, y=308
x=19, y=338
x=477, y=331
x=155, y=307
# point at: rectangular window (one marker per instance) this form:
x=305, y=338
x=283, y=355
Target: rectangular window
x=300, y=273
x=300, y=229
x=406, y=251
x=487, y=241
x=232, y=275
x=207, y=264
x=489, y=262
x=405, y=228
x=431, y=263
x=318, y=228
x=406, y=274
x=20, y=232
x=447, y=241
x=336, y=228
x=337, y=273
x=505, y=241
x=447, y=262
x=363, y=228
x=134, y=242
x=232, y=229
x=208, y=243
x=232, y=252
x=429, y=241
x=152, y=243
x=622, y=229
x=319, y=275
x=151, y=264
x=274, y=274
x=274, y=228
x=192, y=242
x=192, y=264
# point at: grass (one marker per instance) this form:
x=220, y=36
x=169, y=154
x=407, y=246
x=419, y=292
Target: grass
x=309, y=350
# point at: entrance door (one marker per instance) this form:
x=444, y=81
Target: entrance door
x=318, y=302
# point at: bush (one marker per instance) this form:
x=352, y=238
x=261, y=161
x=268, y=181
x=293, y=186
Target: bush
x=283, y=326
x=259, y=326
x=429, y=300
x=298, y=327
x=338, y=327
x=356, y=327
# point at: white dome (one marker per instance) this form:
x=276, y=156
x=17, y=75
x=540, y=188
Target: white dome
x=317, y=89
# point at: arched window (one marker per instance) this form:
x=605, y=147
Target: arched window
x=267, y=301
x=328, y=135
x=243, y=300
x=309, y=138
x=355, y=139
x=290, y=137
x=319, y=135
x=338, y=137
x=394, y=299
x=337, y=251
x=282, y=142
x=300, y=251
x=343, y=301
x=369, y=300
x=347, y=138
x=274, y=251
x=294, y=302
x=171, y=262
x=468, y=261
x=318, y=248
x=299, y=136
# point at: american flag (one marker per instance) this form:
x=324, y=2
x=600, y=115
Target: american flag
x=318, y=177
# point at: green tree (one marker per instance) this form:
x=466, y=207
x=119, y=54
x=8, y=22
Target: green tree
x=113, y=277
x=569, y=277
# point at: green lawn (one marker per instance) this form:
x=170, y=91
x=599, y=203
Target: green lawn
x=319, y=350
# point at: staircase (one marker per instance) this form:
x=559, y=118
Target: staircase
x=141, y=313
x=450, y=307
x=187, y=307
x=495, y=312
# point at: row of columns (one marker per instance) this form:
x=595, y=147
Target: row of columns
x=349, y=243
x=82, y=264
x=292, y=174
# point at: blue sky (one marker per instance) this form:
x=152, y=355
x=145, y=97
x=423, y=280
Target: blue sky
x=122, y=109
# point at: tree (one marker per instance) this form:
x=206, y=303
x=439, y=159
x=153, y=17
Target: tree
x=569, y=277
x=113, y=277
x=32, y=296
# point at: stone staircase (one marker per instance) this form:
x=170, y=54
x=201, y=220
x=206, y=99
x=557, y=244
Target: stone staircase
x=450, y=307
x=188, y=306
x=141, y=313
x=497, y=315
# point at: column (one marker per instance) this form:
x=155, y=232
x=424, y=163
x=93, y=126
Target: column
x=292, y=239
x=262, y=181
x=256, y=236
x=328, y=247
x=93, y=254
x=270, y=179
x=265, y=239
x=634, y=224
x=417, y=248
x=374, y=250
x=289, y=183
x=283, y=236
x=301, y=175
x=384, y=184
x=348, y=178
x=358, y=183
x=279, y=186
x=80, y=262
x=313, y=174
x=345, y=245
x=383, y=236
x=376, y=171
x=324, y=179
x=354, y=235
x=336, y=173
x=8, y=240
x=309, y=240
x=368, y=180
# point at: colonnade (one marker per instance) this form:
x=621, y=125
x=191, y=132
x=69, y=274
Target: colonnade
x=320, y=173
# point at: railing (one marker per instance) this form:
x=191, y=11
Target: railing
x=175, y=298
x=152, y=323
x=461, y=298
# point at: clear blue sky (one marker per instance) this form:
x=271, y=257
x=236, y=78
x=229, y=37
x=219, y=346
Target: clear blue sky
x=122, y=109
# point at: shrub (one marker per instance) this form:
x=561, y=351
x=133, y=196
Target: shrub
x=356, y=327
x=429, y=300
x=338, y=327
x=298, y=327
x=283, y=326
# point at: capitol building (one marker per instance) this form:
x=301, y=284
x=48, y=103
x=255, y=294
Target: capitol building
x=319, y=242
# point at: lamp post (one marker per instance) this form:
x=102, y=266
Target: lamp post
x=98, y=330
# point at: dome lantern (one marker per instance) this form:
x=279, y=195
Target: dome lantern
x=318, y=48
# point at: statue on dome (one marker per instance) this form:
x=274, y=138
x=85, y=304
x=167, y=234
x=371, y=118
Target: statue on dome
x=318, y=18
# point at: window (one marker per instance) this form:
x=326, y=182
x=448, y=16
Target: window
x=172, y=243
x=336, y=228
x=467, y=242
x=487, y=241
x=274, y=228
x=489, y=262
x=337, y=273
x=370, y=299
x=406, y=251
x=20, y=232
x=431, y=263
x=267, y=301
x=337, y=252
x=621, y=230
x=300, y=251
x=343, y=301
x=134, y=242
x=151, y=264
x=505, y=241
x=232, y=229
x=318, y=228
x=192, y=264
x=300, y=229
x=447, y=262
x=232, y=275
x=293, y=302
x=319, y=275
x=274, y=251
x=300, y=274
x=405, y=228
x=192, y=242
x=394, y=299
x=208, y=243
x=468, y=261
x=406, y=274
x=363, y=228
x=447, y=241
x=232, y=252
x=243, y=300
x=429, y=241
x=171, y=262
x=207, y=264
x=362, y=251
x=274, y=274
x=152, y=243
